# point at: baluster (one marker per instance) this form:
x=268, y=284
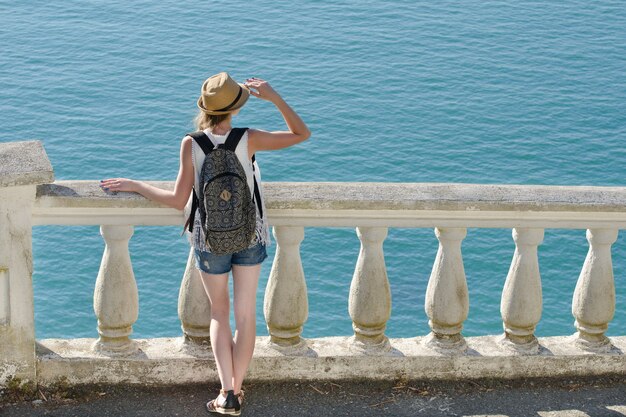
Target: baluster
x=285, y=304
x=369, y=304
x=593, y=303
x=447, y=299
x=194, y=307
x=115, y=301
x=521, y=301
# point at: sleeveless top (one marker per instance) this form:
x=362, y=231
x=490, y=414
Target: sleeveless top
x=262, y=233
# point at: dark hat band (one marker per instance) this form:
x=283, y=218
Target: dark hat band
x=234, y=101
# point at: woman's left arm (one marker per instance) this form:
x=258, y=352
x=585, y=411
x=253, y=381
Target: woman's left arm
x=177, y=198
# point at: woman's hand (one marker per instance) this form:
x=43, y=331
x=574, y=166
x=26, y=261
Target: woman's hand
x=177, y=199
x=118, y=184
x=263, y=89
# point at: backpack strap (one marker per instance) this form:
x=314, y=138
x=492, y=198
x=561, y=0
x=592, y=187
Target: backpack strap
x=231, y=143
x=234, y=137
x=207, y=146
x=257, y=194
x=203, y=140
x=192, y=214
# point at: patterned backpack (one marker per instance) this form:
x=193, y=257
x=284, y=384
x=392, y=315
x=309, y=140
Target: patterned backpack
x=226, y=206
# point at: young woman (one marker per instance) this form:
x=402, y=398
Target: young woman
x=222, y=98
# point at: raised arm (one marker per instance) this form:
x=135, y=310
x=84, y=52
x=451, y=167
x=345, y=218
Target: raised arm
x=259, y=140
x=182, y=189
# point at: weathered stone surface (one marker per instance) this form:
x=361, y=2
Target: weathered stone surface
x=285, y=305
x=338, y=204
x=166, y=360
x=376, y=196
x=521, y=302
x=87, y=193
x=447, y=298
x=163, y=361
x=194, y=307
x=593, y=303
x=369, y=302
x=443, y=196
x=24, y=163
x=116, y=297
x=17, y=328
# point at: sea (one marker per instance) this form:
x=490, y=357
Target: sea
x=475, y=91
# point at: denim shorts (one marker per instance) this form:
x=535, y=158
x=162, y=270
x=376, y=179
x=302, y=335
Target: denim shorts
x=221, y=264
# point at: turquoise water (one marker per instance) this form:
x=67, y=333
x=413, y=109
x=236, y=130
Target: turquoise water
x=526, y=92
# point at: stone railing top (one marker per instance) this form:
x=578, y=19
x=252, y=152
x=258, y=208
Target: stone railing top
x=87, y=193
x=370, y=196
x=24, y=163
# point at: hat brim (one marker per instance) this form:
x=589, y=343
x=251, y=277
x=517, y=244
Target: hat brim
x=245, y=94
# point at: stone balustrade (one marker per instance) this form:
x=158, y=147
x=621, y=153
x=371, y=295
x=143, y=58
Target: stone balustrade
x=30, y=198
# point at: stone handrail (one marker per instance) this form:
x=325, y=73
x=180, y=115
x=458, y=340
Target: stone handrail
x=353, y=204
x=369, y=207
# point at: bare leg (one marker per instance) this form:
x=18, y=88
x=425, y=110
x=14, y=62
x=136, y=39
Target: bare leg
x=216, y=287
x=245, y=283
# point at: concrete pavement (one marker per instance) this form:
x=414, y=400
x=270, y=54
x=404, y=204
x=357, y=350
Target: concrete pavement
x=543, y=397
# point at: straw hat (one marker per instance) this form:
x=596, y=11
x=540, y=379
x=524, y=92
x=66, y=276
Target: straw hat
x=221, y=94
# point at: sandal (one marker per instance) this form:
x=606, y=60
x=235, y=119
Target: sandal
x=240, y=397
x=230, y=406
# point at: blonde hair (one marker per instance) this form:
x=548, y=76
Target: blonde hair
x=208, y=121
